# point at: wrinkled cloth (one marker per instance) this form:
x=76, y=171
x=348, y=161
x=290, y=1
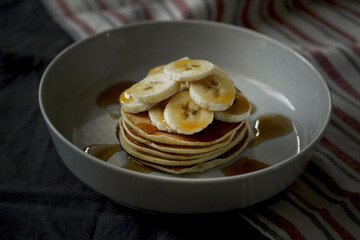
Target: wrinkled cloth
x=323, y=203
x=39, y=197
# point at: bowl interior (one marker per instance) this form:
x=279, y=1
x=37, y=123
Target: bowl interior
x=274, y=78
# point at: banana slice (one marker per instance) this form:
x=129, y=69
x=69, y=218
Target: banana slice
x=184, y=116
x=184, y=86
x=188, y=70
x=131, y=105
x=239, y=110
x=219, y=70
x=215, y=92
x=156, y=114
x=156, y=70
x=154, y=88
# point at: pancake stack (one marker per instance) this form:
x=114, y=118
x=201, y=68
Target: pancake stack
x=175, y=130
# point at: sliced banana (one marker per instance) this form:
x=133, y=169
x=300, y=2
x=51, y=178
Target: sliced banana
x=239, y=110
x=189, y=70
x=215, y=92
x=219, y=70
x=154, y=88
x=156, y=70
x=184, y=86
x=156, y=114
x=184, y=116
x=131, y=105
x=160, y=68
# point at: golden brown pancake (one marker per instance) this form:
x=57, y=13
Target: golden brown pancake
x=201, y=167
x=214, y=133
x=149, y=154
x=176, y=153
x=168, y=148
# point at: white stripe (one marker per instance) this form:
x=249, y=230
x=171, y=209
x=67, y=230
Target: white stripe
x=197, y=8
x=346, y=70
x=213, y=9
x=94, y=21
x=101, y=14
x=316, y=215
x=157, y=11
x=58, y=16
x=331, y=195
x=301, y=222
x=285, y=29
x=271, y=27
x=330, y=82
x=296, y=19
x=176, y=12
x=76, y=6
x=346, y=107
x=323, y=33
x=345, y=144
x=266, y=222
x=229, y=10
x=331, y=16
x=334, y=210
x=353, y=5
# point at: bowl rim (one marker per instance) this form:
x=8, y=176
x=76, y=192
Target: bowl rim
x=170, y=178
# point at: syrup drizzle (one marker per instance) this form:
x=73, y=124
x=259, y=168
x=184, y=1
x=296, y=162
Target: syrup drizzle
x=135, y=165
x=105, y=151
x=110, y=96
x=102, y=151
x=270, y=125
x=242, y=166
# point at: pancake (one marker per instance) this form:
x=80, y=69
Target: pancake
x=152, y=155
x=216, y=132
x=168, y=148
x=201, y=167
x=139, y=146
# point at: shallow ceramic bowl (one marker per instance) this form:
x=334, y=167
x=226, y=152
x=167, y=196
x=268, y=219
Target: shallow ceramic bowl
x=275, y=78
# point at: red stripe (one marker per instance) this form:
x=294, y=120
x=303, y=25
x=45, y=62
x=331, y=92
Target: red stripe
x=324, y=213
x=272, y=13
x=184, y=9
x=67, y=11
x=355, y=49
x=340, y=154
x=352, y=11
x=117, y=15
x=323, y=177
x=145, y=10
x=344, y=7
x=220, y=9
x=319, y=57
x=347, y=118
x=333, y=74
x=282, y=223
x=298, y=4
x=245, y=16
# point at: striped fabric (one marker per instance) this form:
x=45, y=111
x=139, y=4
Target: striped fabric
x=324, y=202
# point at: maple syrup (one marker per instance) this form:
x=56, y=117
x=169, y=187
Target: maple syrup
x=110, y=96
x=133, y=164
x=105, y=151
x=242, y=166
x=270, y=125
x=102, y=151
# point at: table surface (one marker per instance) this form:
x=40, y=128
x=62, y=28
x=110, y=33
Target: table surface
x=39, y=197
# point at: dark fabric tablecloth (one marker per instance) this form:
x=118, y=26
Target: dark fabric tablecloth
x=39, y=197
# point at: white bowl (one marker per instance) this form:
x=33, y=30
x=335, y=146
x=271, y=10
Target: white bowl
x=274, y=77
